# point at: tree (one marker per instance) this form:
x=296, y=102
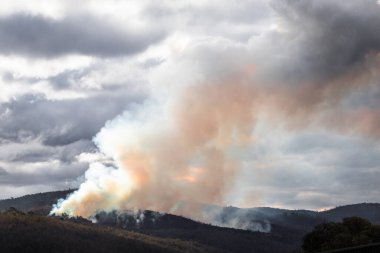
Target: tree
x=352, y=231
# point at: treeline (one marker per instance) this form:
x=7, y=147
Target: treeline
x=281, y=239
x=20, y=232
x=40, y=203
x=352, y=231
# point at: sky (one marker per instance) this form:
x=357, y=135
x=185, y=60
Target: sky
x=288, y=91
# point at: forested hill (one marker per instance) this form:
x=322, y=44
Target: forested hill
x=38, y=203
x=285, y=227
x=369, y=211
x=42, y=203
x=29, y=233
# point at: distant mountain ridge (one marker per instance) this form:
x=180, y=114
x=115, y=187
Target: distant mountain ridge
x=369, y=211
x=286, y=227
x=303, y=220
x=42, y=202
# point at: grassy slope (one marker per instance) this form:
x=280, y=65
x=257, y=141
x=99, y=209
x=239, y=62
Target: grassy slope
x=33, y=233
x=288, y=226
x=40, y=203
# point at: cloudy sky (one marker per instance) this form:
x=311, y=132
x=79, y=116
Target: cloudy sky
x=308, y=71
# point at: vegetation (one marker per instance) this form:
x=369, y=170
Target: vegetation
x=228, y=239
x=40, y=203
x=288, y=227
x=369, y=211
x=353, y=231
x=20, y=232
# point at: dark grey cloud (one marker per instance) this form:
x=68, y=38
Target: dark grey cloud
x=38, y=36
x=151, y=63
x=34, y=152
x=320, y=40
x=316, y=169
x=41, y=138
x=68, y=79
x=36, y=165
x=60, y=122
x=32, y=155
x=3, y=171
x=33, y=164
x=44, y=175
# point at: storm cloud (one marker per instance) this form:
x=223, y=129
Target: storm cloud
x=59, y=122
x=323, y=39
x=38, y=36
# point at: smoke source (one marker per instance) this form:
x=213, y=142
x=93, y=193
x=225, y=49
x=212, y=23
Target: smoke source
x=181, y=147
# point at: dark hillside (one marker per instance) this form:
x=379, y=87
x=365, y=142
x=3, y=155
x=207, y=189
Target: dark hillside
x=25, y=233
x=369, y=211
x=281, y=239
x=285, y=227
x=38, y=203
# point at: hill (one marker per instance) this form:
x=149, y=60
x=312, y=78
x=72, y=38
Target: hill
x=40, y=203
x=369, y=211
x=303, y=220
x=283, y=228
x=281, y=239
x=176, y=227
x=25, y=233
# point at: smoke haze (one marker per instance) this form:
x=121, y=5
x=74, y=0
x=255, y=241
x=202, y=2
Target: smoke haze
x=182, y=146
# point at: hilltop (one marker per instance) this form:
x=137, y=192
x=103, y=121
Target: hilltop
x=40, y=203
x=284, y=228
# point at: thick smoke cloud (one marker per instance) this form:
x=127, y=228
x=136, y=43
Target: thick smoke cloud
x=176, y=152
x=38, y=36
x=319, y=57
x=164, y=162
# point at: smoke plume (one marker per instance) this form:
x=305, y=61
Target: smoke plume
x=169, y=158
x=182, y=147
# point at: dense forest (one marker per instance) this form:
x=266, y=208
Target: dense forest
x=352, y=231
